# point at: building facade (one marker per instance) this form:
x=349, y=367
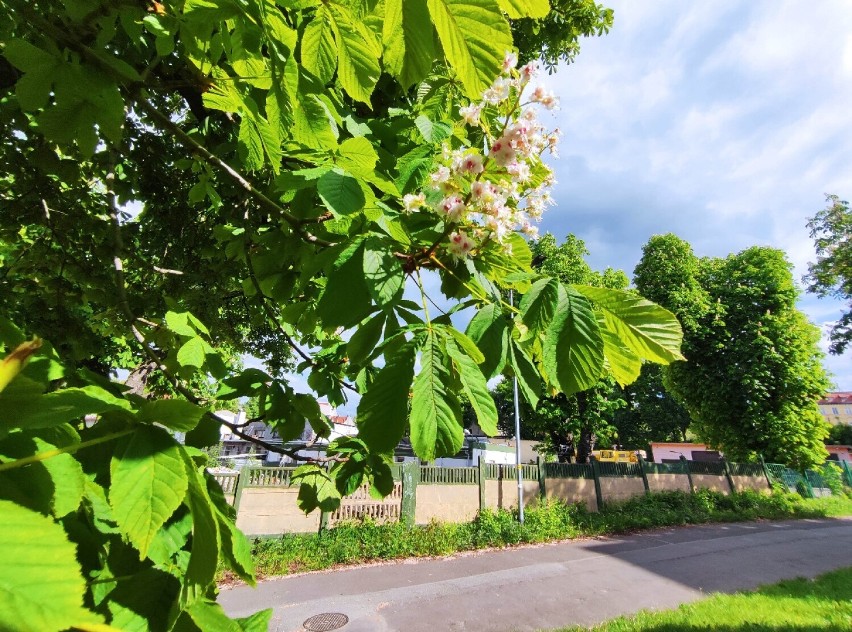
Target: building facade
x=836, y=408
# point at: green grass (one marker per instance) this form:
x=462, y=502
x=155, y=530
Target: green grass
x=357, y=543
x=796, y=605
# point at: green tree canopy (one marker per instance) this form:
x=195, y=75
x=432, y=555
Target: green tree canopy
x=191, y=180
x=753, y=372
x=831, y=275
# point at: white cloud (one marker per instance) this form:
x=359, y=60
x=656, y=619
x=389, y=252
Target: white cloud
x=724, y=122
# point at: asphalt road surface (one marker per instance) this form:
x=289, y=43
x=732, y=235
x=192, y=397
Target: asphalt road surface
x=548, y=586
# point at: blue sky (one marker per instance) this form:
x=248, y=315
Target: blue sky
x=722, y=122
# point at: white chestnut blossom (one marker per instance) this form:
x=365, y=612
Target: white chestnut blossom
x=499, y=187
x=411, y=202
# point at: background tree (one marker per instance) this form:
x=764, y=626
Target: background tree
x=753, y=372
x=650, y=413
x=831, y=275
x=567, y=425
x=840, y=434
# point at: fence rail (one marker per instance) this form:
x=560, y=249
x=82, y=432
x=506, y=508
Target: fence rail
x=664, y=468
x=567, y=470
x=497, y=471
x=700, y=467
x=435, y=475
x=745, y=469
x=608, y=469
x=267, y=476
x=227, y=481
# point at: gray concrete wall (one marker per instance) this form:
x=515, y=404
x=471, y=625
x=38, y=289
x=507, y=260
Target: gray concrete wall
x=614, y=489
x=504, y=494
x=711, y=481
x=273, y=511
x=446, y=503
x=757, y=483
x=668, y=482
x=572, y=490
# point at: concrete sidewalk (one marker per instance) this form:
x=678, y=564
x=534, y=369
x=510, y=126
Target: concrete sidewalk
x=553, y=585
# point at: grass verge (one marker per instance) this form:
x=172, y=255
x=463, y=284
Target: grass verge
x=796, y=605
x=361, y=542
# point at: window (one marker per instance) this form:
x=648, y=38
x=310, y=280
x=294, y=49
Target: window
x=849, y=410
x=834, y=411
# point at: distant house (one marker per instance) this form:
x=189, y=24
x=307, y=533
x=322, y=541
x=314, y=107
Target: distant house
x=836, y=408
x=672, y=452
x=839, y=452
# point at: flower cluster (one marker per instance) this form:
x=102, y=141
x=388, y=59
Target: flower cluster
x=486, y=194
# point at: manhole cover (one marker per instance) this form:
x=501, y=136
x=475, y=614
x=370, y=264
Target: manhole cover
x=326, y=622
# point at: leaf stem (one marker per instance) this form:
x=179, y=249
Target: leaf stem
x=43, y=456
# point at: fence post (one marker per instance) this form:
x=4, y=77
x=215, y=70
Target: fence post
x=641, y=460
x=597, y=477
x=848, y=472
x=685, y=465
x=541, y=490
x=481, y=476
x=242, y=478
x=728, y=475
x=410, y=473
x=766, y=473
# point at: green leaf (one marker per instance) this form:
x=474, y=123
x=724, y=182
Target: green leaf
x=489, y=329
x=192, y=352
x=436, y=428
x=529, y=379
x=515, y=9
x=25, y=409
x=319, y=52
x=204, y=557
x=148, y=483
x=340, y=192
x=27, y=57
x=539, y=303
x=383, y=273
x=176, y=414
x=35, y=554
x=475, y=37
x=409, y=40
x=432, y=132
x=364, y=341
x=476, y=388
x=316, y=489
x=358, y=67
x=467, y=345
x=208, y=615
x=258, y=622
x=178, y=322
x=358, y=156
x=383, y=409
x=648, y=330
x=251, y=145
x=623, y=364
x=573, y=348
x=346, y=299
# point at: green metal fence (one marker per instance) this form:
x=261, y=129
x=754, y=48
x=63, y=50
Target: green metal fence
x=664, y=468
x=497, y=471
x=712, y=469
x=266, y=476
x=608, y=469
x=745, y=469
x=567, y=470
x=434, y=475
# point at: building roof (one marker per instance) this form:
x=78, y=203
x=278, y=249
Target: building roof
x=840, y=397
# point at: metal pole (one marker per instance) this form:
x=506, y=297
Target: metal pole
x=518, y=437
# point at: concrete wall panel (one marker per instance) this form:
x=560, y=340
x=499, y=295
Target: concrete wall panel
x=668, y=482
x=572, y=490
x=711, y=481
x=273, y=511
x=614, y=489
x=446, y=503
x=757, y=483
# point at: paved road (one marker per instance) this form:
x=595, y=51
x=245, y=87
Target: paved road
x=554, y=585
